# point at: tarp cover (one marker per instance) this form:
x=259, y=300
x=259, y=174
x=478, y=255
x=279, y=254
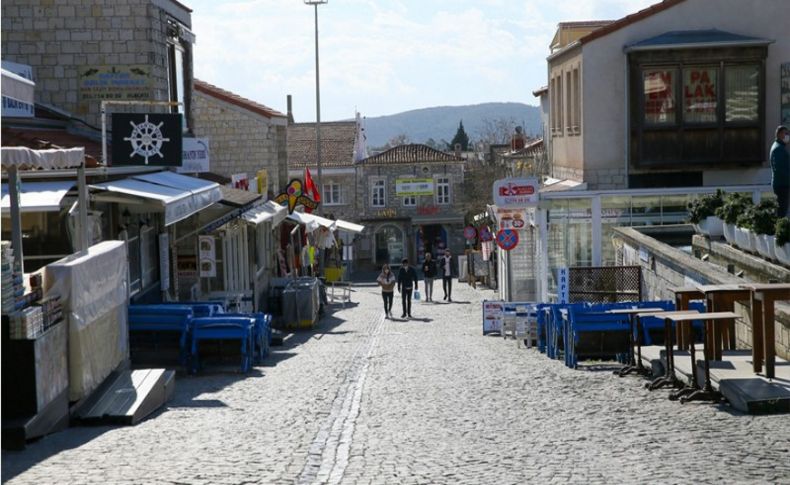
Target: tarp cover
x=313, y=221
x=93, y=290
x=268, y=211
x=37, y=196
x=24, y=157
x=17, y=87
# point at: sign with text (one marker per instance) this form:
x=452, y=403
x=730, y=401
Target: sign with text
x=511, y=218
x=208, y=257
x=493, y=316
x=563, y=285
x=240, y=181
x=408, y=187
x=118, y=83
x=516, y=192
x=196, y=156
x=18, y=95
x=700, y=94
x=147, y=139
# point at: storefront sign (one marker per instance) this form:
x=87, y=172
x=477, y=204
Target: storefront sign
x=470, y=232
x=14, y=108
x=427, y=210
x=507, y=239
x=18, y=98
x=785, y=92
x=386, y=213
x=408, y=187
x=699, y=92
x=208, y=256
x=563, y=285
x=493, y=316
x=117, y=83
x=147, y=139
x=164, y=261
x=294, y=196
x=511, y=218
x=516, y=192
x=196, y=156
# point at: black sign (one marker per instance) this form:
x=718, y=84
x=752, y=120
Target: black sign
x=146, y=139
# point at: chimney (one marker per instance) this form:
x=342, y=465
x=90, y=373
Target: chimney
x=290, y=109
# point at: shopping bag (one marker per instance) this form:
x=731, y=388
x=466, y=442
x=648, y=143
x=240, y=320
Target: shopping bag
x=416, y=294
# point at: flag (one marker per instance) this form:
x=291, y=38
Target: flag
x=310, y=188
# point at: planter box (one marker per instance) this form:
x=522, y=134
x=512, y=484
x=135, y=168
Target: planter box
x=729, y=232
x=711, y=226
x=764, y=246
x=783, y=253
x=745, y=239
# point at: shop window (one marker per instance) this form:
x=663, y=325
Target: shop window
x=378, y=193
x=700, y=99
x=659, y=94
x=442, y=190
x=409, y=201
x=332, y=194
x=742, y=93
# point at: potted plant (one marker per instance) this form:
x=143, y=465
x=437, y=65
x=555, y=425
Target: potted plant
x=764, y=226
x=782, y=242
x=702, y=214
x=744, y=237
x=734, y=205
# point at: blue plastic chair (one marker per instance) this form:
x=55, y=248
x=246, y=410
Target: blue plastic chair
x=163, y=318
x=584, y=325
x=224, y=327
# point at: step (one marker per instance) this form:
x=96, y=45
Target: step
x=130, y=397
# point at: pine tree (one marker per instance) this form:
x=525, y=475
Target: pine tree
x=460, y=137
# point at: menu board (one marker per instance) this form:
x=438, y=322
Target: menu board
x=493, y=316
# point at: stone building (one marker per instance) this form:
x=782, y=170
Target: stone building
x=83, y=52
x=245, y=137
x=409, y=198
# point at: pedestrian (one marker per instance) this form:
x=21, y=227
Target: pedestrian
x=386, y=281
x=428, y=274
x=407, y=280
x=448, y=271
x=780, y=169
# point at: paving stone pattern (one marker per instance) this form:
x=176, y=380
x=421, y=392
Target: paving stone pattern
x=367, y=400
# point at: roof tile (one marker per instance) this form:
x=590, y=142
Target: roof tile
x=413, y=153
x=237, y=100
x=337, y=144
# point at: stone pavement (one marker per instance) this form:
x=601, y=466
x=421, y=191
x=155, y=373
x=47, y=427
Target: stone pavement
x=367, y=400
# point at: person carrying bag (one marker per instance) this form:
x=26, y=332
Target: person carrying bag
x=387, y=281
x=428, y=274
x=407, y=280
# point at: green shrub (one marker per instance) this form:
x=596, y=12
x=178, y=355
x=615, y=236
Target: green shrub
x=734, y=205
x=764, y=217
x=782, y=231
x=705, y=206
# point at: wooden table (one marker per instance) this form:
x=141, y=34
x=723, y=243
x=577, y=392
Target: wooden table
x=722, y=298
x=763, y=297
x=712, y=319
x=683, y=297
x=635, y=364
x=668, y=379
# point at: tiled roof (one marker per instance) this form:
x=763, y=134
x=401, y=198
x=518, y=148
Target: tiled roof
x=237, y=100
x=585, y=23
x=337, y=144
x=413, y=153
x=45, y=138
x=629, y=19
x=541, y=90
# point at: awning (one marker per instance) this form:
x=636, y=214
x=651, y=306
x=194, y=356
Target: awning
x=24, y=157
x=270, y=211
x=37, y=196
x=18, y=95
x=312, y=222
x=179, y=196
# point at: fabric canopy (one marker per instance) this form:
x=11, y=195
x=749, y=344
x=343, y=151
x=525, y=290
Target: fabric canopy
x=313, y=221
x=265, y=212
x=37, y=196
x=24, y=157
x=17, y=87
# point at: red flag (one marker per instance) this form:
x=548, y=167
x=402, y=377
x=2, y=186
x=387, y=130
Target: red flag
x=309, y=186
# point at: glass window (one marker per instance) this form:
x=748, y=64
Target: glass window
x=332, y=194
x=409, y=201
x=389, y=245
x=700, y=101
x=378, y=193
x=742, y=92
x=443, y=190
x=577, y=102
x=659, y=94
x=569, y=102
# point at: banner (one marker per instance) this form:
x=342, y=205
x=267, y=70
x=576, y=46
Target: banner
x=147, y=139
x=195, y=157
x=409, y=187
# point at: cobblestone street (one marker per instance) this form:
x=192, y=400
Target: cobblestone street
x=366, y=400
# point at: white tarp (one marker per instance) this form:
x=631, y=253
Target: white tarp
x=313, y=221
x=92, y=286
x=24, y=157
x=37, y=196
x=268, y=211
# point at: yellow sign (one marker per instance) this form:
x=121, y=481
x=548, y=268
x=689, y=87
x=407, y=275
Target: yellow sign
x=409, y=187
x=263, y=181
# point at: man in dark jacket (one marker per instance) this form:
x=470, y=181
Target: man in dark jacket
x=428, y=274
x=447, y=266
x=780, y=169
x=407, y=280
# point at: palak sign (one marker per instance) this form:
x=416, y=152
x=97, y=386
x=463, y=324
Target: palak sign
x=409, y=187
x=516, y=192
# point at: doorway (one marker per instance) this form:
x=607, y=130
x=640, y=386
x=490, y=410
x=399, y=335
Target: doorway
x=430, y=238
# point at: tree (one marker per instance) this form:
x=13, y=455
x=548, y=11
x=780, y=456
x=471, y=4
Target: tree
x=460, y=138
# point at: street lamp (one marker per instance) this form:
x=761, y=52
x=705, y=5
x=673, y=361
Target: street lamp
x=315, y=4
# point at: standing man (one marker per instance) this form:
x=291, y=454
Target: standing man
x=448, y=271
x=428, y=273
x=407, y=279
x=780, y=169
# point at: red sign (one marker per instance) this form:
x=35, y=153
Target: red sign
x=511, y=190
x=507, y=239
x=427, y=210
x=470, y=232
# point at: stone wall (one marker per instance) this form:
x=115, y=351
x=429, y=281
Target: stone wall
x=605, y=179
x=64, y=39
x=569, y=173
x=665, y=268
x=241, y=141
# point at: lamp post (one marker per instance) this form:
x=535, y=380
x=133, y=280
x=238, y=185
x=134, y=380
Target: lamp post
x=315, y=4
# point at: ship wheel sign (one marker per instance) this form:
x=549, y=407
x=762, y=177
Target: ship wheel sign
x=507, y=239
x=146, y=139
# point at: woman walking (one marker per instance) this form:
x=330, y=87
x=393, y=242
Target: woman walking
x=386, y=281
x=428, y=273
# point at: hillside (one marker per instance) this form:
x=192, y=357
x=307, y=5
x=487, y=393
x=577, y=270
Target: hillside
x=441, y=122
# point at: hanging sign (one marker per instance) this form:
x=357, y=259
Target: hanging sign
x=207, y=266
x=511, y=218
x=493, y=316
x=470, y=232
x=516, y=192
x=409, y=187
x=195, y=157
x=147, y=139
x=507, y=239
x=294, y=196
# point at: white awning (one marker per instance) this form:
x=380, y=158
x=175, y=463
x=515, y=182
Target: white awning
x=16, y=87
x=178, y=195
x=24, y=157
x=265, y=212
x=312, y=222
x=37, y=196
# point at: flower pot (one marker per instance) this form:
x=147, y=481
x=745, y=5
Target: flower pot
x=729, y=232
x=763, y=245
x=771, y=242
x=744, y=239
x=783, y=253
x=711, y=226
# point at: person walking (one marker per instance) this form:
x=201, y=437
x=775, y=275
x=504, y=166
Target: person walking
x=780, y=169
x=428, y=274
x=407, y=280
x=448, y=271
x=386, y=281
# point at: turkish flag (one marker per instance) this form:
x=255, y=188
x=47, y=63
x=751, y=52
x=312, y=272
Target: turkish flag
x=310, y=188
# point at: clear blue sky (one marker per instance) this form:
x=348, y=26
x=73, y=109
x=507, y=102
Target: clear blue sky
x=384, y=56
